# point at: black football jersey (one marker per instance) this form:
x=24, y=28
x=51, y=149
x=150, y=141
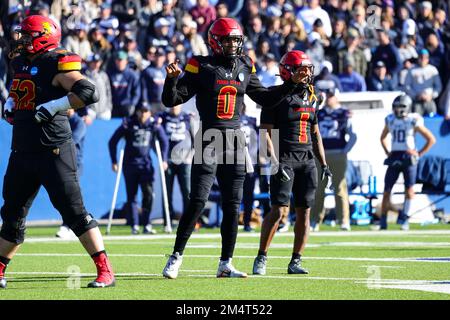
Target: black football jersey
x=219, y=88
x=294, y=118
x=32, y=86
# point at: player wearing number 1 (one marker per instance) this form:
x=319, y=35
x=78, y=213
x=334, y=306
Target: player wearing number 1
x=299, y=141
x=403, y=156
x=219, y=83
x=46, y=83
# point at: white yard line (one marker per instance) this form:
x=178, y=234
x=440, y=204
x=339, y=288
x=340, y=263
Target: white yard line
x=143, y=255
x=256, y=235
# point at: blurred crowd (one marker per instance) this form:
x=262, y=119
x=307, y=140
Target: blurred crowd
x=355, y=45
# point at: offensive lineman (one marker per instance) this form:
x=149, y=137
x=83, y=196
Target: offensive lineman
x=219, y=83
x=299, y=141
x=46, y=83
x=403, y=157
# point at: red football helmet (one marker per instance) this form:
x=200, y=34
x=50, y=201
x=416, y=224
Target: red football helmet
x=225, y=28
x=38, y=34
x=293, y=60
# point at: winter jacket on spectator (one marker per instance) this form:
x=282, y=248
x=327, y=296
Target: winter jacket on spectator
x=390, y=56
x=103, y=107
x=125, y=90
x=423, y=79
x=352, y=82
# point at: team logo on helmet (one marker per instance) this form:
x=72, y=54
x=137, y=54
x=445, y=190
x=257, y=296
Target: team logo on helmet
x=46, y=28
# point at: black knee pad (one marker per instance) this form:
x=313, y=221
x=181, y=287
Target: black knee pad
x=13, y=231
x=83, y=224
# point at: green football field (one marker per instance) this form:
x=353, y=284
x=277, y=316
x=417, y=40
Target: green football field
x=360, y=264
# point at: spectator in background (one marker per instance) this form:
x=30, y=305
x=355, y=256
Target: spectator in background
x=425, y=18
x=273, y=35
x=326, y=80
x=315, y=51
x=169, y=12
x=161, y=37
x=179, y=128
x=107, y=23
x=407, y=64
x=379, y=80
x=152, y=81
x=255, y=30
x=352, y=49
x=311, y=13
x=100, y=45
x=423, y=85
x=338, y=139
x=351, y=81
x=125, y=88
x=102, y=109
x=221, y=9
x=78, y=128
x=359, y=22
x=193, y=40
x=436, y=51
x=337, y=39
x=134, y=56
x=78, y=41
x=203, y=14
x=408, y=41
x=139, y=132
x=269, y=73
x=387, y=52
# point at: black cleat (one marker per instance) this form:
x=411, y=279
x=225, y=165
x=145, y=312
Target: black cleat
x=295, y=267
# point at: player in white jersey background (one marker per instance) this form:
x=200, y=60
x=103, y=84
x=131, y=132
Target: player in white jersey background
x=403, y=156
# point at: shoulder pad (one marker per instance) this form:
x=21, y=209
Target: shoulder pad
x=192, y=65
x=68, y=61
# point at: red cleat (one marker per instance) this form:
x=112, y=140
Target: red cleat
x=2, y=276
x=105, y=274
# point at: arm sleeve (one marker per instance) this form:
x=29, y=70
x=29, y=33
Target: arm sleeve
x=177, y=91
x=112, y=145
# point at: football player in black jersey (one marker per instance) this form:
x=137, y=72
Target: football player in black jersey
x=46, y=82
x=219, y=82
x=299, y=140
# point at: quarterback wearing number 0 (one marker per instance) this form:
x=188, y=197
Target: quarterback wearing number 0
x=219, y=83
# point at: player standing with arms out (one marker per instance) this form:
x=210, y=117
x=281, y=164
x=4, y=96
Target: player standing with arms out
x=403, y=157
x=46, y=83
x=299, y=141
x=219, y=83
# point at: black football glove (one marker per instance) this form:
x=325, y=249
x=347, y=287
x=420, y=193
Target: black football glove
x=8, y=111
x=327, y=173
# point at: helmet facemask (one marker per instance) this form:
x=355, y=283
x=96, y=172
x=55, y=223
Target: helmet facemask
x=231, y=45
x=400, y=111
x=306, y=70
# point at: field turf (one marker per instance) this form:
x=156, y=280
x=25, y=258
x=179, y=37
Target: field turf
x=360, y=264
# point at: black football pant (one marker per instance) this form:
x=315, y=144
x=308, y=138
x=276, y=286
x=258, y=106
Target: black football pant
x=231, y=179
x=56, y=170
